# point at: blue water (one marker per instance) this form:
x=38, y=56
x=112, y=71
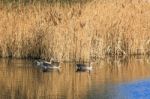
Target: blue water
x=136, y=90
x=139, y=89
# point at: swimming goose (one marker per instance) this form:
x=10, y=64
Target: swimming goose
x=84, y=67
x=47, y=65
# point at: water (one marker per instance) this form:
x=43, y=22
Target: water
x=110, y=79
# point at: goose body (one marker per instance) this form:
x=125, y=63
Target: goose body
x=42, y=63
x=84, y=67
x=47, y=65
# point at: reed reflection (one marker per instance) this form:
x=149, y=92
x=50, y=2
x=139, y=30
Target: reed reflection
x=20, y=79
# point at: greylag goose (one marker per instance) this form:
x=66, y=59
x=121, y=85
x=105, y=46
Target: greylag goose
x=45, y=65
x=84, y=67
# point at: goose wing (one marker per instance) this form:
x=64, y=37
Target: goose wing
x=46, y=64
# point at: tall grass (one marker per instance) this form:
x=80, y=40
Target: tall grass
x=76, y=32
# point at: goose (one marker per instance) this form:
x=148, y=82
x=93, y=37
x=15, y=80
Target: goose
x=84, y=67
x=45, y=65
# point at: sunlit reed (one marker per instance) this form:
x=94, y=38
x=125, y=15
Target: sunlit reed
x=75, y=32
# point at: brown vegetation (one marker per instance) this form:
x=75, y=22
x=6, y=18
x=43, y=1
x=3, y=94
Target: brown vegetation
x=75, y=32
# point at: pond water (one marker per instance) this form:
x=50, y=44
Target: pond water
x=110, y=79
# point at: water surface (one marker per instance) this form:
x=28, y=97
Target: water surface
x=110, y=79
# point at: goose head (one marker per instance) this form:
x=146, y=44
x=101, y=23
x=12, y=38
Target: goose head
x=38, y=63
x=91, y=64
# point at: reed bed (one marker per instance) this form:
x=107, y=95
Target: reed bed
x=75, y=32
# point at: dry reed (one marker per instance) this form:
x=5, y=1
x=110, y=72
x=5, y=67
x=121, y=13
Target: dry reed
x=76, y=32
